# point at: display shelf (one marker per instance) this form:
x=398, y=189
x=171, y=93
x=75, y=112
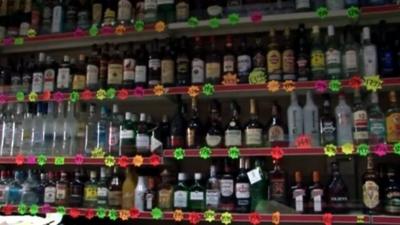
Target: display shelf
x=383, y=220
x=245, y=25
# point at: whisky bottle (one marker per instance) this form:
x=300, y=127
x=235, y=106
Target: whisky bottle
x=337, y=191
x=276, y=129
x=254, y=129
x=141, y=67
x=154, y=65
x=242, y=187
x=333, y=56
x=129, y=64
x=213, y=64
x=92, y=69
x=392, y=194
x=360, y=120
x=229, y=59
x=214, y=133
x=182, y=64
x=64, y=75
x=227, y=187
x=303, y=55
x=76, y=191
x=233, y=131
x=274, y=58
x=393, y=120
x=62, y=191
x=277, y=187
x=298, y=193
x=243, y=61
x=165, y=192
x=370, y=187
x=178, y=127
x=90, y=191
x=317, y=194
x=181, y=194
x=102, y=189
x=103, y=69
x=115, y=69
x=194, y=128
x=182, y=10
x=168, y=65
x=288, y=57
x=150, y=196
x=79, y=74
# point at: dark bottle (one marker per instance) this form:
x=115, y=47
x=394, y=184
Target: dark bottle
x=242, y=187
x=386, y=57
x=104, y=59
x=227, y=186
x=16, y=77
x=397, y=51
x=64, y=80
x=253, y=133
x=215, y=8
x=233, y=131
x=337, y=191
x=259, y=60
x=327, y=124
x=27, y=76
x=142, y=136
x=298, y=192
x=50, y=190
x=115, y=69
x=168, y=65
x=37, y=74
x=197, y=198
x=182, y=10
x=127, y=136
x=165, y=127
x=154, y=65
x=178, y=127
x=79, y=74
x=277, y=187
x=274, y=58
x=83, y=14
x=197, y=71
x=370, y=187
x=128, y=74
x=115, y=191
x=180, y=196
x=276, y=129
x=302, y=55
x=317, y=197
x=244, y=61
x=150, y=196
x=360, y=120
x=141, y=67
x=46, y=17
x=92, y=69
x=36, y=13
x=318, y=64
x=110, y=12
x=182, y=63
x=194, y=128
x=62, y=190
x=392, y=193
x=76, y=191
x=288, y=57
x=70, y=15
x=229, y=59
x=214, y=133
x=213, y=64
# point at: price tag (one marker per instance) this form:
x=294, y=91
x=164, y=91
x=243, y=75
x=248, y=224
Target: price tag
x=254, y=175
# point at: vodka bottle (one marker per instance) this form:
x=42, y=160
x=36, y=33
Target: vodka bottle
x=295, y=119
x=311, y=118
x=70, y=129
x=344, y=122
x=369, y=57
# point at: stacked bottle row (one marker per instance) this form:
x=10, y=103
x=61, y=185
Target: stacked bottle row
x=285, y=57
x=17, y=17
x=224, y=190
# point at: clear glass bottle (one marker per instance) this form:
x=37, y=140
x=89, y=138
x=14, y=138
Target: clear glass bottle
x=369, y=55
x=311, y=120
x=14, y=190
x=29, y=196
x=71, y=130
x=344, y=132
x=3, y=186
x=26, y=137
x=295, y=119
x=90, y=131
x=113, y=132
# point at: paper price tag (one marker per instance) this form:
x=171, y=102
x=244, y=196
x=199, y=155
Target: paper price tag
x=254, y=175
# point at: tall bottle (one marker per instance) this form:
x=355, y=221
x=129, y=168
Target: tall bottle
x=274, y=58
x=17, y=129
x=391, y=192
x=317, y=55
x=303, y=55
x=102, y=189
x=360, y=120
x=337, y=191
x=233, y=131
x=127, y=136
x=79, y=75
x=376, y=122
x=386, y=59
x=141, y=67
x=7, y=132
x=129, y=64
x=244, y=61
x=142, y=136
x=212, y=190
x=76, y=191
x=327, y=124
x=150, y=11
x=254, y=129
x=25, y=145
x=259, y=57
x=214, y=133
x=370, y=187
x=351, y=53
x=57, y=17
x=115, y=191
x=37, y=75
x=194, y=128
x=71, y=131
x=298, y=192
x=165, y=191
x=103, y=65
x=150, y=196
x=178, y=127
x=295, y=119
x=277, y=187
x=49, y=196
x=154, y=65
x=343, y=113
x=311, y=120
x=333, y=56
x=317, y=197
x=369, y=57
x=227, y=187
x=213, y=64
x=115, y=69
x=242, y=187
x=90, y=191
x=182, y=64
x=197, y=72
x=392, y=120
x=197, y=195
x=168, y=65
x=113, y=132
x=229, y=59
x=139, y=193
x=64, y=81
x=29, y=195
x=288, y=57
x=181, y=194
x=69, y=23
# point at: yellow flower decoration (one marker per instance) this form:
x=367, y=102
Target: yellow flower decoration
x=273, y=86
x=33, y=96
x=98, y=153
x=348, y=148
x=160, y=26
x=101, y=94
x=31, y=33
x=120, y=29
x=159, y=90
x=289, y=86
x=193, y=91
x=178, y=215
x=138, y=160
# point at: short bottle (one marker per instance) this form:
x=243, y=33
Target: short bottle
x=90, y=191
x=150, y=196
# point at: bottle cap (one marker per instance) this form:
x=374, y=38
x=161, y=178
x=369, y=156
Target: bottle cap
x=128, y=116
x=197, y=176
x=142, y=117
x=316, y=176
x=331, y=30
x=366, y=35
x=181, y=176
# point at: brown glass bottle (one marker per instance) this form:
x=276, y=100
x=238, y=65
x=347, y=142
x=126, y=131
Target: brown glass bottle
x=288, y=57
x=104, y=58
x=182, y=63
x=298, y=193
x=227, y=186
x=194, y=128
x=92, y=69
x=115, y=69
x=168, y=65
x=277, y=188
x=317, y=203
x=79, y=74
x=165, y=191
x=274, y=59
x=370, y=188
x=62, y=191
x=276, y=129
x=150, y=196
x=229, y=60
x=213, y=64
x=154, y=65
x=360, y=120
x=115, y=191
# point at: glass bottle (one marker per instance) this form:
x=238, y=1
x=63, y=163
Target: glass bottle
x=37, y=75
x=29, y=196
x=70, y=9
x=70, y=131
x=194, y=128
x=26, y=137
x=229, y=59
x=57, y=18
x=128, y=190
x=102, y=189
x=376, y=122
x=8, y=131
x=165, y=191
x=103, y=66
x=197, y=64
x=113, y=132
x=76, y=191
x=83, y=14
x=154, y=65
x=14, y=190
x=386, y=59
x=317, y=55
x=181, y=194
x=233, y=131
x=124, y=13
x=212, y=199
x=127, y=136
x=141, y=66
x=168, y=65
x=227, y=187
x=213, y=64
x=90, y=131
x=3, y=186
x=337, y=191
x=150, y=195
x=253, y=133
x=214, y=133
x=369, y=57
x=150, y=11
x=142, y=136
x=115, y=191
x=295, y=120
x=333, y=55
x=97, y=12
x=327, y=124
x=274, y=58
x=197, y=195
x=393, y=120
x=344, y=131
x=182, y=63
x=62, y=190
x=351, y=53
x=182, y=9
x=259, y=57
x=303, y=55
x=115, y=69
x=298, y=192
x=16, y=130
x=316, y=194
x=242, y=187
x=259, y=183
x=79, y=75
x=110, y=8
x=243, y=61
x=370, y=187
x=392, y=194
x=360, y=120
x=311, y=120
x=288, y=57
x=129, y=64
x=50, y=190
x=90, y=191
x=277, y=187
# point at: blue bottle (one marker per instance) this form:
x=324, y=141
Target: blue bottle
x=386, y=54
x=14, y=191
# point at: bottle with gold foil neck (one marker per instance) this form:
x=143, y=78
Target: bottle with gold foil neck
x=253, y=131
x=370, y=188
x=194, y=128
x=393, y=120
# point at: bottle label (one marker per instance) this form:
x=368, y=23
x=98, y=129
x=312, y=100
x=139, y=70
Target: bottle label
x=149, y=201
x=124, y=10
x=298, y=196
x=114, y=198
x=316, y=196
x=393, y=127
x=227, y=187
x=213, y=70
x=37, y=82
x=392, y=204
x=63, y=78
x=167, y=71
x=303, y=68
x=277, y=188
x=370, y=61
x=214, y=10
x=49, y=195
x=97, y=11
x=180, y=199
x=61, y=192
x=154, y=64
x=253, y=136
x=150, y=5
x=351, y=61
x=328, y=131
x=79, y=82
x=303, y=4
x=165, y=2
x=244, y=65
x=182, y=65
x=90, y=193
x=370, y=194
x=212, y=198
x=102, y=193
x=333, y=63
x=288, y=64
x=140, y=74
x=164, y=198
x=114, y=74
x=2, y=193
x=259, y=61
x=127, y=197
x=213, y=140
x=113, y=138
x=57, y=19
x=109, y=16
x=92, y=75
x=197, y=71
x=8, y=137
x=242, y=190
x=229, y=63
x=360, y=124
x=49, y=78
x=196, y=195
x=275, y=133
x=142, y=141
x=126, y=134
x=317, y=61
x=377, y=130
x=129, y=69
x=274, y=62
x=182, y=10
x=233, y=138
x=83, y=19
x=23, y=28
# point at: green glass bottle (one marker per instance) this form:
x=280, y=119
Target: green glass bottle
x=196, y=195
x=181, y=193
x=166, y=10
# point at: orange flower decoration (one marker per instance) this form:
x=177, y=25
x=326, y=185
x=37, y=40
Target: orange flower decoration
x=159, y=90
x=193, y=91
x=138, y=160
x=289, y=86
x=230, y=79
x=124, y=214
x=160, y=26
x=273, y=86
x=178, y=215
x=120, y=29
x=276, y=218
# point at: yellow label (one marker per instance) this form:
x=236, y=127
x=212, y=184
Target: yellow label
x=114, y=74
x=274, y=61
x=318, y=59
x=393, y=127
x=79, y=82
x=164, y=198
x=90, y=193
x=213, y=70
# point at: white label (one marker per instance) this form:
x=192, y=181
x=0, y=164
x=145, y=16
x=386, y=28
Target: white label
x=92, y=75
x=226, y=187
x=197, y=195
x=49, y=78
x=140, y=74
x=37, y=82
x=213, y=140
x=149, y=201
x=212, y=197
x=180, y=199
x=142, y=141
x=129, y=69
x=332, y=57
x=214, y=10
x=316, y=195
x=233, y=138
x=63, y=78
x=197, y=70
x=102, y=192
x=150, y=4
x=126, y=134
x=253, y=136
x=254, y=175
x=242, y=190
x=165, y=2
x=299, y=203
x=244, y=64
x=124, y=10
x=49, y=195
x=351, y=62
x=370, y=61
x=302, y=4
x=61, y=193
x=154, y=64
x=57, y=19
x=139, y=200
x=229, y=63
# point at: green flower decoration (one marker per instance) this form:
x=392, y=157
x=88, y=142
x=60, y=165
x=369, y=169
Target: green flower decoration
x=157, y=214
x=208, y=89
x=111, y=93
x=257, y=76
x=22, y=209
x=20, y=96
x=179, y=153
x=74, y=96
x=214, y=23
x=41, y=160
x=226, y=218
x=205, y=152
x=396, y=148
x=335, y=85
x=233, y=18
x=19, y=41
x=234, y=152
x=61, y=210
x=363, y=149
x=113, y=214
x=34, y=209
x=353, y=12
x=322, y=12
x=139, y=25
x=109, y=161
x=330, y=150
x=209, y=215
x=94, y=30
x=101, y=213
x=59, y=161
x=193, y=22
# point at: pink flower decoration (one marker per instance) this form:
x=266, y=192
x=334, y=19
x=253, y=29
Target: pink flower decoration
x=139, y=92
x=79, y=32
x=31, y=160
x=8, y=41
x=78, y=160
x=106, y=30
x=256, y=16
x=58, y=96
x=321, y=86
x=381, y=150
x=46, y=208
x=3, y=99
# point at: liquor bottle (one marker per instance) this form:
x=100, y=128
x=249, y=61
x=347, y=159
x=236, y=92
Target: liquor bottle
x=337, y=191
x=7, y=134
x=344, y=131
x=168, y=65
x=129, y=63
x=3, y=186
x=303, y=55
x=124, y=14
x=376, y=122
x=14, y=190
x=229, y=59
x=277, y=187
x=254, y=129
x=104, y=59
x=37, y=75
x=227, y=187
x=150, y=11
x=259, y=183
x=142, y=136
x=303, y=5
x=386, y=58
x=392, y=193
x=62, y=190
x=17, y=130
x=333, y=56
x=113, y=132
x=57, y=18
x=128, y=190
x=102, y=129
x=242, y=187
x=213, y=64
x=215, y=8
x=181, y=194
x=360, y=120
x=102, y=189
x=154, y=65
x=29, y=195
x=90, y=131
x=139, y=10
x=36, y=13
x=127, y=136
x=182, y=9
x=49, y=75
x=139, y=193
x=164, y=129
x=349, y=3
x=369, y=58
x=79, y=75
x=351, y=53
x=274, y=58
x=311, y=120
x=327, y=123
x=370, y=188
x=243, y=61
x=115, y=69
x=298, y=192
x=70, y=131
x=90, y=191
x=64, y=75
x=110, y=8
x=197, y=195
x=194, y=128
x=295, y=120
x=46, y=18
x=214, y=133
x=115, y=191
x=16, y=77
x=25, y=145
x=233, y=131
x=97, y=12
x=83, y=14
x=212, y=190
x=69, y=22
x=141, y=67
x=27, y=76
x=317, y=55
x=76, y=192
x=165, y=191
x=317, y=194
x=197, y=64
x=150, y=196
x=288, y=57
x=259, y=57
x=182, y=64
x=392, y=118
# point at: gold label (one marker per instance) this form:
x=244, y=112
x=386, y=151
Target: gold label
x=90, y=194
x=167, y=71
x=213, y=70
x=114, y=74
x=79, y=82
x=164, y=198
x=393, y=127
x=318, y=60
x=371, y=194
x=274, y=61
